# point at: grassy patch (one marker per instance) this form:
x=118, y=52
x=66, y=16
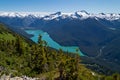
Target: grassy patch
x=7, y=36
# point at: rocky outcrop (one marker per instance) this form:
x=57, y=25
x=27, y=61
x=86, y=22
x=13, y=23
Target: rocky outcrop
x=5, y=77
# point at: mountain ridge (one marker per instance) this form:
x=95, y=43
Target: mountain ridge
x=77, y=14
x=89, y=32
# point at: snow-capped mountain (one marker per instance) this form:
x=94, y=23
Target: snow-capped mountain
x=50, y=16
x=22, y=14
x=91, y=32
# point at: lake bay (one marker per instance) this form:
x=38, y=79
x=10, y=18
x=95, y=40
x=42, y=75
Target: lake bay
x=51, y=42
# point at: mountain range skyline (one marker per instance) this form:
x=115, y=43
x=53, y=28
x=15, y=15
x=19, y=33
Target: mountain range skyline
x=96, y=35
x=56, y=15
x=94, y=6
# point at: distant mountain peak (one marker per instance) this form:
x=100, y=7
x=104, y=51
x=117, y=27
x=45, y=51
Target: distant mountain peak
x=102, y=13
x=10, y=14
x=82, y=13
x=52, y=16
x=57, y=13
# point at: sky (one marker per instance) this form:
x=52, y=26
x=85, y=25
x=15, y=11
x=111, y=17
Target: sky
x=91, y=6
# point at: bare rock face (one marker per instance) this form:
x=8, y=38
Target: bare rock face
x=16, y=78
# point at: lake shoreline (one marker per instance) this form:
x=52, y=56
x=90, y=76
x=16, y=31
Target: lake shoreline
x=52, y=43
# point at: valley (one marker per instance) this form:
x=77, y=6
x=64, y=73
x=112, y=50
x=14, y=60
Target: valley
x=22, y=60
x=86, y=31
x=59, y=40
x=51, y=42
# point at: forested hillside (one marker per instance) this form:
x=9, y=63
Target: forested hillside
x=18, y=57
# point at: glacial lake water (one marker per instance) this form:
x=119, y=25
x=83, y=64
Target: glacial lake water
x=51, y=42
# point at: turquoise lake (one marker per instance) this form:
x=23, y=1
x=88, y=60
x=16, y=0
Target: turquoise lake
x=51, y=42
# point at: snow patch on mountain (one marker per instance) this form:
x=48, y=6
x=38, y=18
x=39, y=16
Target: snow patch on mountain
x=80, y=14
x=23, y=14
x=50, y=16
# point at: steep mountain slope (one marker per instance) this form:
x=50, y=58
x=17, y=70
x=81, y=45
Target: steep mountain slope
x=88, y=34
x=97, y=35
x=18, y=58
